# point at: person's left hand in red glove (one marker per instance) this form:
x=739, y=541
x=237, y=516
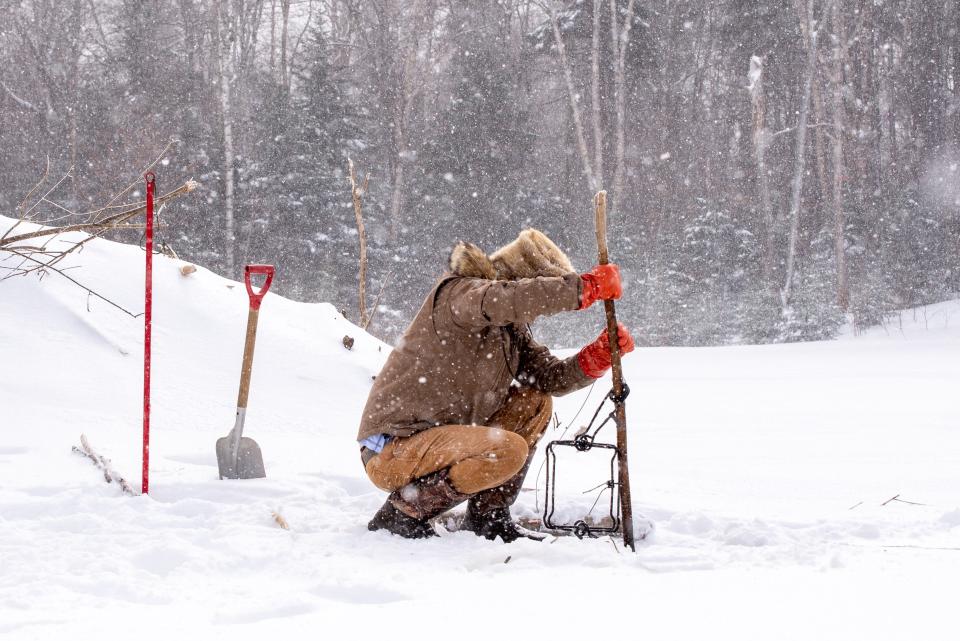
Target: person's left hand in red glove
x=595, y=358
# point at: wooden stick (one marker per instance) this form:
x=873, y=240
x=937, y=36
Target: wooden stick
x=282, y=522
x=620, y=415
x=109, y=474
x=357, y=193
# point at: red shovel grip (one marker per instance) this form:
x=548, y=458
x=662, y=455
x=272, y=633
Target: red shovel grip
x=257, y=297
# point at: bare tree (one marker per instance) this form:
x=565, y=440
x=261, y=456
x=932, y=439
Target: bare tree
x=357, y=192
x=224, y=27
x=620, y=36
x=596, y=107
x=796, y=188
x=761, y=138
x=284, y=41
x=840, y=258
x=397, y=35
x=573, y=96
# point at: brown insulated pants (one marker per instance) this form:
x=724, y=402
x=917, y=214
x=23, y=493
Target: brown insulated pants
x=479, y=457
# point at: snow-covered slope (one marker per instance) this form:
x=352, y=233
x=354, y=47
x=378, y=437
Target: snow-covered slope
x=768, y=471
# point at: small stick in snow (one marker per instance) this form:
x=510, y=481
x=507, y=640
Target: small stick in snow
x=109, y=474
x=853, y=507
x=900, y=500
x=282, y=522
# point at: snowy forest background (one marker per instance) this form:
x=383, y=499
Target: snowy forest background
x=772, y=166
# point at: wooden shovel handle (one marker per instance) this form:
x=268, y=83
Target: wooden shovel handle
x=251, y=340
x=247, y=366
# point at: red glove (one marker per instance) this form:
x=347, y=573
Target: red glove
x=594, y=359
x=600, y=283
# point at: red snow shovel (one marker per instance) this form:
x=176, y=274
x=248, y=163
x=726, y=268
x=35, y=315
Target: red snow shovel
x=239, y=456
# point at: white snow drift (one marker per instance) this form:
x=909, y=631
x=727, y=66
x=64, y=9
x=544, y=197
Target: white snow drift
x=769, y=471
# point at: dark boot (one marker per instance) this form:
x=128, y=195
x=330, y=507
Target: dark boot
x=408, y=510
x=497, y=523
x=488, y=512
x=396, y=522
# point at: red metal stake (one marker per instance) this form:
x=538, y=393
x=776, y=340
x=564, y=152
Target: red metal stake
x=147, y=330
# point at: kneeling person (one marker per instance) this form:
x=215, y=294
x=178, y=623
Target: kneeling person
x=444, y=422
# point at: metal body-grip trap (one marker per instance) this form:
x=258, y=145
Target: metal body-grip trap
x=585, y=441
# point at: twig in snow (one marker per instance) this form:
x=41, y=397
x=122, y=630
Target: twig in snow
x=899, y=500
x=109, y=474
x=47, y=266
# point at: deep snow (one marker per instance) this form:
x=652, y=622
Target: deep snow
x=768, y=472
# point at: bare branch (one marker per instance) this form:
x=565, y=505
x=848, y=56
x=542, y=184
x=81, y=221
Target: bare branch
x=109, y=474
x=137, y=180
x=357, y=194
x=96, y=228
x=26, y=104
x=43, y=267
x=26, y=213
x=572, y=95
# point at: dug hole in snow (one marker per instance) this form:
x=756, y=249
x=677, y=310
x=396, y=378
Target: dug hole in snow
x=768, y=470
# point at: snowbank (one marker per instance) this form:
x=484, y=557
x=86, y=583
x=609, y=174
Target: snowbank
x=769, y=472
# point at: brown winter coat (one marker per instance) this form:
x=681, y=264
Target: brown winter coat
x=455, y=363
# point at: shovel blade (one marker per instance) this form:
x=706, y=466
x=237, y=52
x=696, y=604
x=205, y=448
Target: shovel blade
x=249, y=464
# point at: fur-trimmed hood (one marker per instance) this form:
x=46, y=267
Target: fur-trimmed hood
x=532, y=254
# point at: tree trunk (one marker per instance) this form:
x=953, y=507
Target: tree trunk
x=284, y=40
x=956, y=73
x=796, y=192
x=760, y=141
x=595, y=104
x=821, y=148
x=620, y=41
x=225, y=67
x=843, y=287
x=397, y=32
x=588, y=171
x=273, y=38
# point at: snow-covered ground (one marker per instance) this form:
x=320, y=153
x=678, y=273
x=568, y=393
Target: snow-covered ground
x=769, y=472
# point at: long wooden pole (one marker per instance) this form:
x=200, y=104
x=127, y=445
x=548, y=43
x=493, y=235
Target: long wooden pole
x=620, y=414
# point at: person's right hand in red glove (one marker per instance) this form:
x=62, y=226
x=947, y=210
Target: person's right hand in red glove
x=600, y=283
x=595, y=359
